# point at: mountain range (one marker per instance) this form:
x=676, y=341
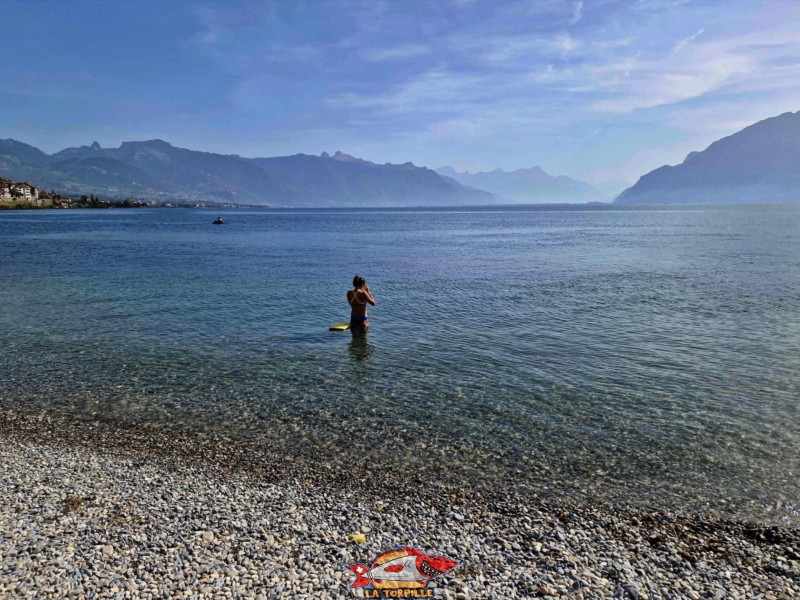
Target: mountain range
x=532, y=185
x=760, y=163
x=156, y=170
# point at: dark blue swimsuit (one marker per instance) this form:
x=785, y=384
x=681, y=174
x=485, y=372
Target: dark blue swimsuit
x=357, y=319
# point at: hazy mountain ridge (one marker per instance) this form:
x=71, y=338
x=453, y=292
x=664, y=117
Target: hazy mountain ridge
x=340, y=178
x=760, y=163
x=156, y=170
x=533, y=185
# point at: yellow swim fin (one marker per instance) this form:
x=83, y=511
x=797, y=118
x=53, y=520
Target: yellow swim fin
x=339, y=327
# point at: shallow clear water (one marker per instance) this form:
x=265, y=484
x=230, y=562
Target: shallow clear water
x=652, y=354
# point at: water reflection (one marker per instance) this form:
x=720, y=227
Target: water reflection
x=359, y=348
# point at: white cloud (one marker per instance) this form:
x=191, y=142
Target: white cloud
x=604, y=44
x=566, y=43
x=577, y=12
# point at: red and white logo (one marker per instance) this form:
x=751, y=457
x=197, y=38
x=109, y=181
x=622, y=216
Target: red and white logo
x=403, y=572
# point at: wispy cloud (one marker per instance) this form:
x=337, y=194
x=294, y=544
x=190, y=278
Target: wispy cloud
x=395, y=53
x=579, y=86
x=650, y=83
x=743, y=64
x=436, y=90
x=686, y=41
x=577, y=12
x=497, y=82
x=514, y=52
x=658, y=5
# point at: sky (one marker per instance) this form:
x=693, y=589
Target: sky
x=600, y=90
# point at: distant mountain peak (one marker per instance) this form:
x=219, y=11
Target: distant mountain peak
x=20, y=152
x=529, y=185
x=95, y=146
x=157, y=144
x=535, y=169
x=12, y=143
x=496, y=171
x=760, y=163
x=342, y=157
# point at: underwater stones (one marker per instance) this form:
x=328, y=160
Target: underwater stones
x=184, y=521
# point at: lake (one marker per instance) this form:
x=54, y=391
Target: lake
x=650, y=355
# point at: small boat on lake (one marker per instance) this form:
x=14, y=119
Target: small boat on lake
x=218, y=221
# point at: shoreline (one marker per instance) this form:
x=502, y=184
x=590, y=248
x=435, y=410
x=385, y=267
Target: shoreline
x=86, y=508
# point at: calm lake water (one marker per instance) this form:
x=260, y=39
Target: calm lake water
x=649, y=354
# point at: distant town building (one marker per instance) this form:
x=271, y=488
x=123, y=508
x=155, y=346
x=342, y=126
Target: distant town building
x=26, y=191
x=11, y=191
x=5, y=188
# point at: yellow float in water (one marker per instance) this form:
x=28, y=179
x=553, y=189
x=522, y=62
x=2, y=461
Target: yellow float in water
x=339, y=327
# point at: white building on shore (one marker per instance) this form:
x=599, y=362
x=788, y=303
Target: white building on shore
x=26, y=191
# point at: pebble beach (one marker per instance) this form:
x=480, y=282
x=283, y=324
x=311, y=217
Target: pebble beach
x=92, y=511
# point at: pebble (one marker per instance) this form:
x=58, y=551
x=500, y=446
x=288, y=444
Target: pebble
x=80, y=521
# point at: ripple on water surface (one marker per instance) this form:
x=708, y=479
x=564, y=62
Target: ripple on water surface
x=648, y=354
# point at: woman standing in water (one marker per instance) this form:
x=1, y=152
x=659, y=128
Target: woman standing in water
x=358, y=298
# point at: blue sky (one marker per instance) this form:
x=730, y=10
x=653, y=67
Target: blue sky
x=601, y=90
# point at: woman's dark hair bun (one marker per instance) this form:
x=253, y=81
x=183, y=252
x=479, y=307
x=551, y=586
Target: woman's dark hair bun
x=358, y=280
